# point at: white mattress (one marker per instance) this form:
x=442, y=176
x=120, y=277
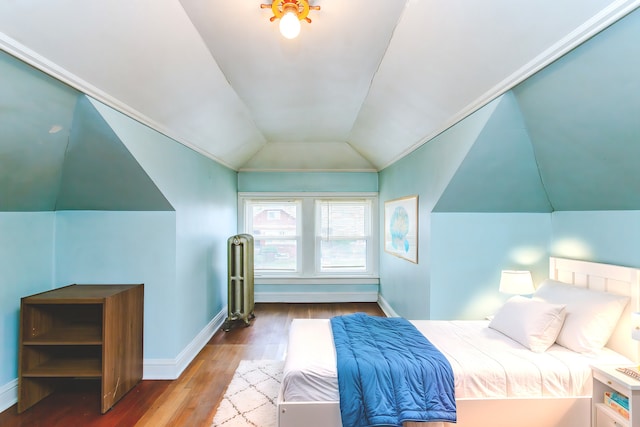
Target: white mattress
x=485, y=363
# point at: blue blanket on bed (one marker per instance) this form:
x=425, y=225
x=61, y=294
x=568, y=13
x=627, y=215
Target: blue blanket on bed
x=388, y=373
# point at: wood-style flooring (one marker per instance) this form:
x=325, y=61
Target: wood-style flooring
x=191, y=399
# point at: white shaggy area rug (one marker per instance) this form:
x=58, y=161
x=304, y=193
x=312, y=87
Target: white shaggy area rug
x=250, y=399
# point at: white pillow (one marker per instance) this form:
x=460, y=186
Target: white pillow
x=533, y=323
x=591, y=315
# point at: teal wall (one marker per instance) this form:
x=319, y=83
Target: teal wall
x=26, y=263
x=178, y=253
x=426, y=173
x=469, y=250
x=307, y=182
x=124, y=247
x=461, y=253
x=466, y=237
x=609, y=237
x=547, y=169
x=204, y=196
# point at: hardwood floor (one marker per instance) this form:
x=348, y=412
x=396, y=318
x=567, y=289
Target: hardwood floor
x=191, y=399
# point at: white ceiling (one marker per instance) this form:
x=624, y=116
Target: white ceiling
x=363, y=85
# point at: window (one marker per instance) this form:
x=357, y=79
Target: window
x=343, y=234
x=304, y=235
x=275, y=229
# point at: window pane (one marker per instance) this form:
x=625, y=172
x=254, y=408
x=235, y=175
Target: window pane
x=343, y=233
x=343, y=254
x=275, y=255
x=342, y=219
x=274, y=219
x=274, y=226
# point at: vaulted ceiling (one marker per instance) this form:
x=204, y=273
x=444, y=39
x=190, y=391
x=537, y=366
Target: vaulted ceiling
x=565, y=138
x=362, y=86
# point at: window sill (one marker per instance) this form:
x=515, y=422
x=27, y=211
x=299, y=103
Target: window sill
x=291, y=280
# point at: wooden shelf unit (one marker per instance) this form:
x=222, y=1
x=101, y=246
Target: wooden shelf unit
x=81, y=331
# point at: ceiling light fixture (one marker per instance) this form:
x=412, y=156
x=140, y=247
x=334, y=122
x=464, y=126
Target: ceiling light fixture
x=290, y=13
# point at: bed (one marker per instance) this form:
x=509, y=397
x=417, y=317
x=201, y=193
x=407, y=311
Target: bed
x=550, y=388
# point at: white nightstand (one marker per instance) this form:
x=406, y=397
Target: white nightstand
x=608, y=379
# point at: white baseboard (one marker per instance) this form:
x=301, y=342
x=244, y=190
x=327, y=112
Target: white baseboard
x=8, y=395
x=170, y=369
x=386, y=308
x=317, y=297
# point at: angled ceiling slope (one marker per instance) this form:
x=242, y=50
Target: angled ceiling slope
x=566, y=139
x=99, y=173
x=36, y=113
x=58, y=153
x=499, y=173
x=373, y=82
x=582, y=114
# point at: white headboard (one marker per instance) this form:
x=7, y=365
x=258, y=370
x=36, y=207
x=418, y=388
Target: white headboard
x=608, y=278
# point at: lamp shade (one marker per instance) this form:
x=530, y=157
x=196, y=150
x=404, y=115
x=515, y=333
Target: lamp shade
x=516, y=282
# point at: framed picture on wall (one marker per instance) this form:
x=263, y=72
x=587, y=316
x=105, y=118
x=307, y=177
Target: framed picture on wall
x=401, y=227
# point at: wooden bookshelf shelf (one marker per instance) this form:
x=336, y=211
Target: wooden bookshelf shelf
x=81, y=331
x=66, y=368
x=76, y=335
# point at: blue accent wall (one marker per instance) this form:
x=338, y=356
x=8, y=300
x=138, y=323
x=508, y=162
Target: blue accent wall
x=465, y=240
x=179, y=253
x=547, y=169
x=500, y=171
x=31, y=155
x=307, y=182
x=426, y=173
x=469, y=250
x=125, y=247
x=26, y=263
x=99, y=172
x=609, y=237
x=204, y=196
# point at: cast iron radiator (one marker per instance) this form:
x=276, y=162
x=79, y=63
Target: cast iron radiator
x=239, y=280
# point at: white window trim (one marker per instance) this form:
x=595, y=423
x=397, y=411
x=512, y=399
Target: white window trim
x=308, y=273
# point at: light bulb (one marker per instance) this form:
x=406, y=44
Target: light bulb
x=290, y=25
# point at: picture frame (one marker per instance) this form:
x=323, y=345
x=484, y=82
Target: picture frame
x=401, y=227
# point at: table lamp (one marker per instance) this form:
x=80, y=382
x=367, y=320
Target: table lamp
x=517, y=282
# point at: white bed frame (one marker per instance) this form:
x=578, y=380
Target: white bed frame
x=535, y=412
